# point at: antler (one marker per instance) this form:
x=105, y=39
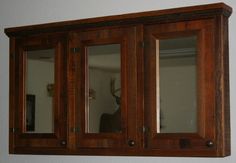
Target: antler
x=113, y=90
x=112, y=87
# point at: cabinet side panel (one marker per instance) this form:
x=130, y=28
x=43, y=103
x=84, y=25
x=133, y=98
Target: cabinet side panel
x=11, y=94
x=222, y=78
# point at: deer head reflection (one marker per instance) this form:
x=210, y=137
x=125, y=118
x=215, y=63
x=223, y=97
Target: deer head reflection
x=112, y=122
x=114, y=90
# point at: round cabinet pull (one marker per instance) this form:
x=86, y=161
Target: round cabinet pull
x=209, y=143
x=63, y=142
x=131, y=143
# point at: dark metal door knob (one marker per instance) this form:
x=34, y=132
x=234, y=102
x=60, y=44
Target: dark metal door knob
x=131, y=143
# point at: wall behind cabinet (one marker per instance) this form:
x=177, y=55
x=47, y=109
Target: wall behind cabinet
x=103, y=102
x=27, y=12
x=37, y=86
x=178, y=82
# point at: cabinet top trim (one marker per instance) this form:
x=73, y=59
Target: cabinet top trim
x=168, y=15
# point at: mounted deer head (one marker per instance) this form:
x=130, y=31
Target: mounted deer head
x=114, y=90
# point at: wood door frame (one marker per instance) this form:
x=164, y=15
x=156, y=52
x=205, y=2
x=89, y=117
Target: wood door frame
x=38, y=141
x=123, y=36
x=204, y=30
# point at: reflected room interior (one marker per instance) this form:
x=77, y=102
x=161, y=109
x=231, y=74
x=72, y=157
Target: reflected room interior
x=39, y=84
x=176, y=65
x=104, y=111
x=176, y=103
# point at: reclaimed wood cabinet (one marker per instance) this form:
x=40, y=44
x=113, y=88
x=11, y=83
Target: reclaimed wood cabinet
x=152, y=84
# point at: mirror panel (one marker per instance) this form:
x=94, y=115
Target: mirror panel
x=39, y=91
x=104, y=89
x=177, y=100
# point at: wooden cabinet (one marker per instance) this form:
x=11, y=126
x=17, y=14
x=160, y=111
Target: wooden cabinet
x=198, y=94
x=27, y=70
x=114, y=136
x=152, y=84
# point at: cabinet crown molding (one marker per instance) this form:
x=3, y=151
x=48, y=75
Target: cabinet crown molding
x=165, y=15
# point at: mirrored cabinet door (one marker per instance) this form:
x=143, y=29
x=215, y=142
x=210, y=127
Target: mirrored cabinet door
x=105, y=81
x=41, y=104
x=177, y=84
x=143, y=84
x=39, y=85
x=178, y=57
x=103, y=113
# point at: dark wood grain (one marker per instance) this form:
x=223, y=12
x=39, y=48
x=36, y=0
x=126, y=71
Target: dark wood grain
x=125, y=36
x=222, y=87
x=12, y=95
x=18, y=101
x=136, y=33
x=213, y=91
x=177, y=14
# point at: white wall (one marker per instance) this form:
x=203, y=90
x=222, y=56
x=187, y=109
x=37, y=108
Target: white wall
x=39, y=75
x=178, y=98
x=25, y=12
x=104, y=102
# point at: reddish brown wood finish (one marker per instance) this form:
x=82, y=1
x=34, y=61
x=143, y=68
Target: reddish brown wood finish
x=169, y=15
x=125, y=36
x=12, y=94
x=222, y=86
x=28, y=140
x=136, y=33
x=203, y=29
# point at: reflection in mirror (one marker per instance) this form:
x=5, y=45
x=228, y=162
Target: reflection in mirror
x=39, y=84
x=103, y=114
x=177, y=101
